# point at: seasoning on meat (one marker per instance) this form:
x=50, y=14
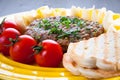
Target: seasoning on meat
x=64, y=29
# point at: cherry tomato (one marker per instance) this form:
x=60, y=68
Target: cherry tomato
x=11, y=24
x=50, y=54
x=4, y=39
x=22, y=51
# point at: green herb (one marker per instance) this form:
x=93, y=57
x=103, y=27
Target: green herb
x=56, y=24
x=45, y=21
x=53, y=27
x=40, y=25
x=75, y=32
x=55, y=30
x=87, y=29
x=75, y=20
x=65, y=21
x=81, y=23
x=95, y=30
x=67, y=34
x=63, y=35
x=46, y=24
x=78, y=22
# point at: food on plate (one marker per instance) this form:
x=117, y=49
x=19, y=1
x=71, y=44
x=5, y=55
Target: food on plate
x=64, y=29
x=22, y=49
x=97, y=57
x=5, y=36
x=48, y=53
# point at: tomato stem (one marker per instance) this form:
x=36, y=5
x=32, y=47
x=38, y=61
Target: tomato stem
x=13, y=41
x=1, y=25
x=37, y=49
x=2, y=21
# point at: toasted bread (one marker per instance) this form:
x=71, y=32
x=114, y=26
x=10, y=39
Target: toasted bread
x=97, y=57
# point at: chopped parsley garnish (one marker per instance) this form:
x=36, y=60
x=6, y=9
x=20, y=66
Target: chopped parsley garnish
x=78, y=22
x=64, y=21
x=75, y=20
x=56, y=24
x=45, y=23
x=68, y=33
x=55, y=30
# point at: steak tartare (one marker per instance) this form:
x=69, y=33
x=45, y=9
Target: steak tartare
x=64, y=29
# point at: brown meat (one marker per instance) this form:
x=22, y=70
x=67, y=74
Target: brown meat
x=72, y=30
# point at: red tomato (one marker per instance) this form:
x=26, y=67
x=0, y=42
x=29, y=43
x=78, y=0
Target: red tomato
x=22, y=51
x=4, y=39
x=12, y=24
x=50, y=55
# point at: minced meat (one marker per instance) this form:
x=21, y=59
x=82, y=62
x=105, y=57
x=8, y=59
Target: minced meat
x=64, y=29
